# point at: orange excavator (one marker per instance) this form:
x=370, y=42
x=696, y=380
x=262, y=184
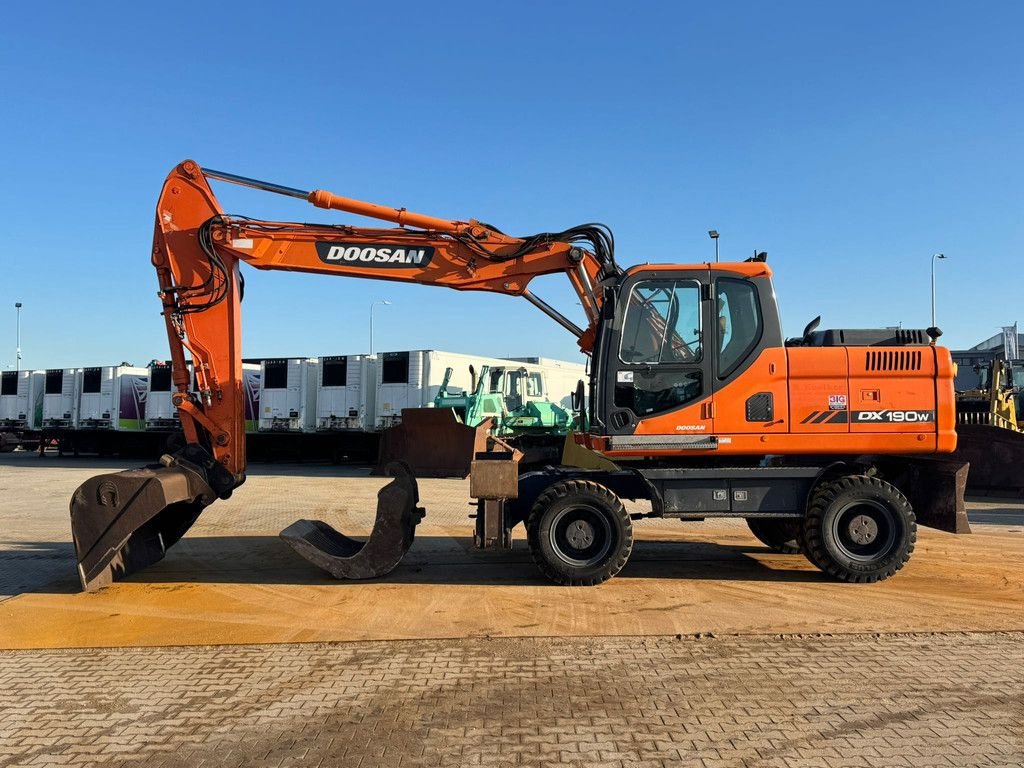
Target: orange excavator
x=831, y=443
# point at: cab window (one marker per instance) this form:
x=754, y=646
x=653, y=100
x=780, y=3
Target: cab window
x=534, y=386
x=662, y=323
x=661, y=332
x=739, y=323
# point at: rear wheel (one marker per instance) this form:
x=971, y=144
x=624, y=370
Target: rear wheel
x=778, y=534
x=859, y=529
x=579, y=533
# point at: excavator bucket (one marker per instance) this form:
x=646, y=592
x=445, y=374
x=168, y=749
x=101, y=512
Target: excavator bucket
x=996, y=456
x=398, y=513
x=432, y=442
x=125, y=521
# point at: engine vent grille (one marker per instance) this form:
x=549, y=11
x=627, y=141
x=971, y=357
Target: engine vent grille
x=893, y=360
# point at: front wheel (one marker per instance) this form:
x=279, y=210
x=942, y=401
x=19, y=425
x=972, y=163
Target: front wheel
x=859, y=529
x=579, y=533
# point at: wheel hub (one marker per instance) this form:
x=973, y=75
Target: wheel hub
x=863, y=530
x=580, y=534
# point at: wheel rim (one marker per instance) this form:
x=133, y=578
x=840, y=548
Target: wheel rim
x=864, y=530
x=580, y=536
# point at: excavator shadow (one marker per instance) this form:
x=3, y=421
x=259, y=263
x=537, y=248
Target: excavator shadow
x=49, y=567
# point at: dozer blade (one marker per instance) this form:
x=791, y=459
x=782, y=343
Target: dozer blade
x=398, y=514
x=125, y=521
x=935, y=487
x=432, y=442
x=996, y=456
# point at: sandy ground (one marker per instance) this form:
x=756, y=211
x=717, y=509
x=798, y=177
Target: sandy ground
x=232, y=580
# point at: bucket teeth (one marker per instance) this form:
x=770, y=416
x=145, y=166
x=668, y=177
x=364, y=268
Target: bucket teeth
x=398, y=514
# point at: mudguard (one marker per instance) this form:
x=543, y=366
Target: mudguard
x=398, y=513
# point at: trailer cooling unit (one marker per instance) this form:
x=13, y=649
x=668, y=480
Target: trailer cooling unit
x=287, y=395
x=112, y=397
x=345, y=393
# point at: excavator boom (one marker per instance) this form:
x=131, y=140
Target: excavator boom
x=124, y=521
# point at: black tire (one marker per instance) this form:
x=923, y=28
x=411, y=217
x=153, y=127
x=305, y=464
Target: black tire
x=779, y=534
x=859, y=529
x=579, y=533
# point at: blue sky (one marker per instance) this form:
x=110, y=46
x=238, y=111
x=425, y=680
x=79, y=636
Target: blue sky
x=850, y=141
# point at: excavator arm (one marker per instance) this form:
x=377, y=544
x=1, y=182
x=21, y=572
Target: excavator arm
x=124, y=521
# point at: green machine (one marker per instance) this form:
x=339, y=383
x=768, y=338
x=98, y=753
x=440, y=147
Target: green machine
x=510, y=403
x=515, y=398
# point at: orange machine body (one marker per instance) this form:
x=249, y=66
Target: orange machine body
x=703, y=406
x=829, y=400
x=826, y=400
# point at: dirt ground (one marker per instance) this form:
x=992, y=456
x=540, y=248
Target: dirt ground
x=233, y=581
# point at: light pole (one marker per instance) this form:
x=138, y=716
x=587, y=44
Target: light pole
x=935, y=256
x=713, y=234
x=386, y=303
x=17, y=355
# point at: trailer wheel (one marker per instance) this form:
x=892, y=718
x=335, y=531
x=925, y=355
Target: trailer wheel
x=778, y=534
x=859, y=529
x=579, y=533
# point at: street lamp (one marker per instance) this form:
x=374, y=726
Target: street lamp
x=934, y=257
x=713, y=234
x=17, y=356
x=386, y=303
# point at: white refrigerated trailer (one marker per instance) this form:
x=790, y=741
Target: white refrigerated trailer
x=111, y=397
x=60, y=398
x=21, y=408
x=346, y=390
x=287, y=401
x=21, y=399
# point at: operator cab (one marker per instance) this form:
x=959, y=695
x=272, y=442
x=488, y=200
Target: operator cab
x=671, y=337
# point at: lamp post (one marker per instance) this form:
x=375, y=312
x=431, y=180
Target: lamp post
x=386, y=303
x=935, y=256
x=17, y=355
x=713, y=234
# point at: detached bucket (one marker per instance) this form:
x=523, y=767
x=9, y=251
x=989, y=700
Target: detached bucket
x=432, y=442
x=126, y=521
x=398, y=514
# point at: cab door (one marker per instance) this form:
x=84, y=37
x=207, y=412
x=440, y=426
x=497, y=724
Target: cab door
x=750, y=362
x=656, y=368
